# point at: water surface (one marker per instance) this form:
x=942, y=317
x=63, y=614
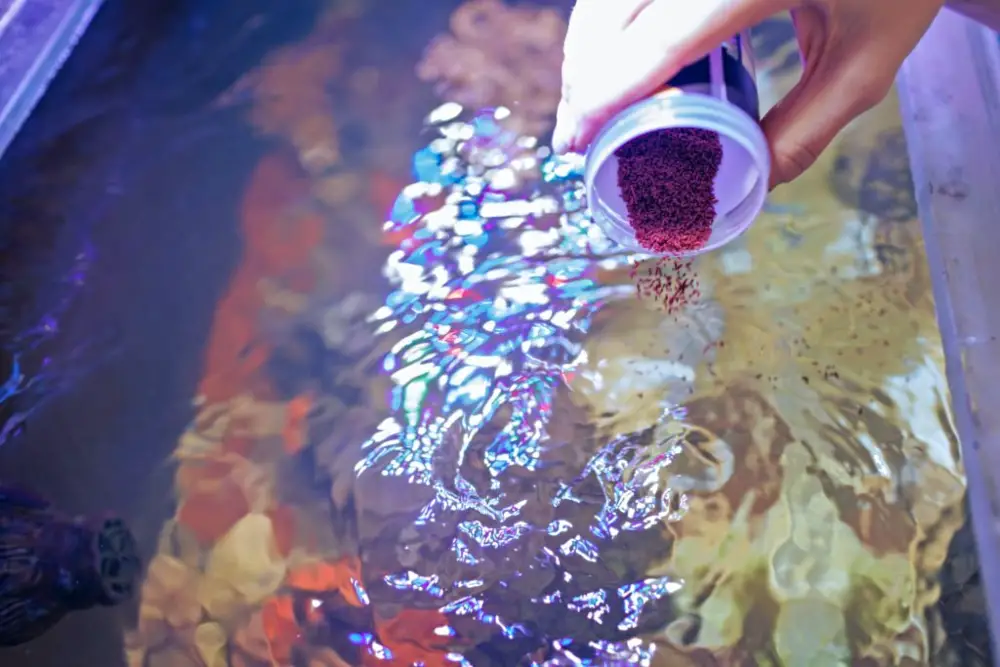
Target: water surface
x=348, y=352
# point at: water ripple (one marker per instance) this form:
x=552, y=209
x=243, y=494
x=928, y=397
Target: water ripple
x=494, y=288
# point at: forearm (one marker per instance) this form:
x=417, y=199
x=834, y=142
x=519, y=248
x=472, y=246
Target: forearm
x=986, y=12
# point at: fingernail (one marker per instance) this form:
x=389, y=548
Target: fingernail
x=561, y=137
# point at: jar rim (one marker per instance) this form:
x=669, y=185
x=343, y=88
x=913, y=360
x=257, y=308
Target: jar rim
x=674, y=109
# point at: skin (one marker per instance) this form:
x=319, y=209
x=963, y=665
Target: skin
x=620, y=51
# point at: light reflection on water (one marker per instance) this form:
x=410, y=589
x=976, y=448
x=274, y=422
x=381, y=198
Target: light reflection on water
x=495, y=328
x=35, y=377
x=494, y=286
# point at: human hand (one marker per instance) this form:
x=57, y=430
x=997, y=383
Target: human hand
x=986, y=12
x=620, y=51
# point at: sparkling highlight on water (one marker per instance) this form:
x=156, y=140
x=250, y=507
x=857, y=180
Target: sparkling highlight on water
x=494, y=287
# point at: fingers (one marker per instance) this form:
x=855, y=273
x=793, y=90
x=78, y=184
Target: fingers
x=564, y=132
x=591, y=18
x=607, y=68
x=835, y=88
x=591, y=25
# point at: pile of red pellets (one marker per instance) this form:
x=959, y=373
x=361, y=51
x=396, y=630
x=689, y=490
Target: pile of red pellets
x=667, y=181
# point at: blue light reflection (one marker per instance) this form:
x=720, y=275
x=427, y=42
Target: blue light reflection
x=494, y=286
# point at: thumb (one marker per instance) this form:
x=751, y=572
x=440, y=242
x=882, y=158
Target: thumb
x=838, y=84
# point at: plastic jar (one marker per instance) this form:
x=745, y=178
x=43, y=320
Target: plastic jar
x=717, y=93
